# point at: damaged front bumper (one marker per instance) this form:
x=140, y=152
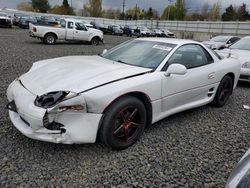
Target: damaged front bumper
x=48, y=125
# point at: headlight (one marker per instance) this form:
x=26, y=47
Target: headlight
x=49, y=100
x=246, y=65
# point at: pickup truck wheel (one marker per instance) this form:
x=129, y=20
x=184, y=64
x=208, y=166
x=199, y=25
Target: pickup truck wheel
x=95, y=41
x=49, y=39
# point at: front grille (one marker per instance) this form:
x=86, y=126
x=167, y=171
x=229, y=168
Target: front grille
x=46, y=120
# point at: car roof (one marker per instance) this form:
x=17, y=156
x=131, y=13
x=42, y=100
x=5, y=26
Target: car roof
x=169, y=40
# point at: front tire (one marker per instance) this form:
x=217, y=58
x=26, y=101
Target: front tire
x=95, y=41
x=223, y=92
x=123, y=123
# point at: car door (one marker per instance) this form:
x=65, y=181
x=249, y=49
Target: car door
x=70, y=31
x=196, y=87
x=81, y=32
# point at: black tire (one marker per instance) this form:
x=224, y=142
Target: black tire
x=123, y=123
x=95, y=41
x=223, y=92
x=50, y=39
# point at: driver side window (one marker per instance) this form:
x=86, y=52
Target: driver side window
x=191, y=56
x=80, y=26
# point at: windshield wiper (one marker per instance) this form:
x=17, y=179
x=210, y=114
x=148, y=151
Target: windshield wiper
x=120, y=61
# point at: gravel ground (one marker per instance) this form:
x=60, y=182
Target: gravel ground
x=196, y=148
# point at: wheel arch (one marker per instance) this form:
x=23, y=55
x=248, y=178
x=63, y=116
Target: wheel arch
x=50, y=32
x=99, y=38
x=144, y=98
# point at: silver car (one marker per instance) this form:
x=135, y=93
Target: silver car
x=221, y=42
x=240, y=176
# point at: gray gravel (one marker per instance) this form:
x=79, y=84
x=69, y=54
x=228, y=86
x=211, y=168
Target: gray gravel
x=196, y=148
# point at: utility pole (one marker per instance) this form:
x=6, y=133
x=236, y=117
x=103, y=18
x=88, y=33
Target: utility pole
x=169, y=9
x=123, y=8
x=136, y=11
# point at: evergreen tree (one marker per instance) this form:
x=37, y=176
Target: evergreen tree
x=230, y=14
x=242, y=13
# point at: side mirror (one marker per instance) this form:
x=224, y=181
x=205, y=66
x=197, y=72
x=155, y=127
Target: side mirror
x=176, y=69
x=104, y=51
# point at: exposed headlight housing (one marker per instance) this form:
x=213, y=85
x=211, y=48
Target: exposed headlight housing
x=246, y=65
x=50, y=99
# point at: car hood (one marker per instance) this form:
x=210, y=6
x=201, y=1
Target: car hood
x=95, y=30
x=242, y=55
x=76, y=74
x=210, y=43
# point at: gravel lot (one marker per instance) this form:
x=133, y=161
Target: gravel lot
x=196, y=148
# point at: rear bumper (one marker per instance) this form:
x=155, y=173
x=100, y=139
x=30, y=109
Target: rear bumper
x=37, y=123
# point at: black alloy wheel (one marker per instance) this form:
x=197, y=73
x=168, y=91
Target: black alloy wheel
x=123, y=123
x=223, y=92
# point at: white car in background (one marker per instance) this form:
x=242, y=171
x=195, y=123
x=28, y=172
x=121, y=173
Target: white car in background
x=69, y=30
x=144, y=32
x=168, y=33
x=5, y=21
x=241, y=50
x=114, y=96
x=221, y=42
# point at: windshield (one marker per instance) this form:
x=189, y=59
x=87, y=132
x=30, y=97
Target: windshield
x=147, y=54
x=242, y=44
x=220, y=39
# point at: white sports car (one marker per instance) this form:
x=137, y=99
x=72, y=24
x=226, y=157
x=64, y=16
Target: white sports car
x=113, y=96
x=241, y=50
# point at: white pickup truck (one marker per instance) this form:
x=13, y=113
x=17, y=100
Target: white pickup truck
x=67, y=29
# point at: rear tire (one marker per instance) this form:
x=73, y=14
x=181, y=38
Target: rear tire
x=223, y=92
x=49, y=39
x=123, y=123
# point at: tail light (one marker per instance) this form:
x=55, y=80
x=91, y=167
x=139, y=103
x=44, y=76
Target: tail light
x=34, y=29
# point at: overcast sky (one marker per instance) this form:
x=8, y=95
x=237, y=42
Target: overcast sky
x=145, y=4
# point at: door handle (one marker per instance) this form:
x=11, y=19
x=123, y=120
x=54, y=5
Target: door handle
x=211, y=75
x=76, y=31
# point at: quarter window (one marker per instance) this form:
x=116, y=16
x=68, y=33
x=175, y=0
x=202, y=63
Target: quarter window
x=191, y=56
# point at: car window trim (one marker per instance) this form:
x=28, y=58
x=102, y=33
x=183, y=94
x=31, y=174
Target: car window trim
x=165, y=67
